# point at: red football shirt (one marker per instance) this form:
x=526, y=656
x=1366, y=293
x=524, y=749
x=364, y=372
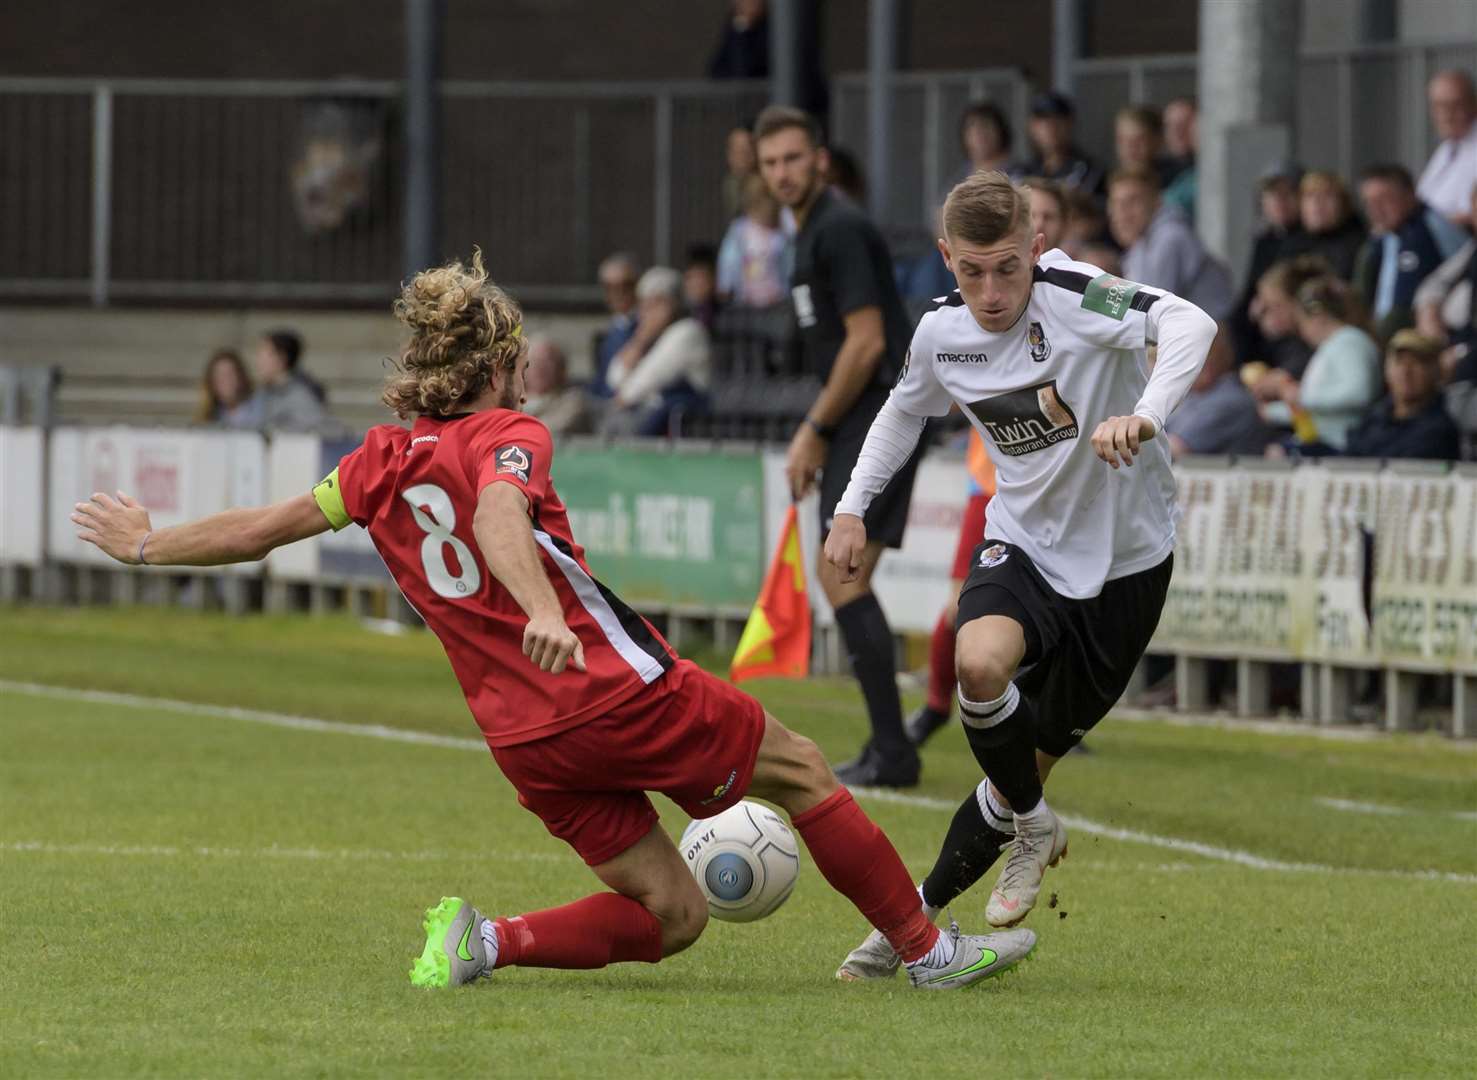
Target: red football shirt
x=416, y=492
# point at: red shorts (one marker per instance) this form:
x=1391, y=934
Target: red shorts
x=971, y=532
x=689, y=735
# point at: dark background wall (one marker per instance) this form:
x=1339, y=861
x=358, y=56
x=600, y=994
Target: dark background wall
x=532, y=39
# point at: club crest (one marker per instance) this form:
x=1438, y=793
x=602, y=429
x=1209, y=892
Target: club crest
x=1036, y=341
x=993, y=555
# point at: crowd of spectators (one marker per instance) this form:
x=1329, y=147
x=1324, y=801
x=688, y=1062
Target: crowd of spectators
x=1350, y=331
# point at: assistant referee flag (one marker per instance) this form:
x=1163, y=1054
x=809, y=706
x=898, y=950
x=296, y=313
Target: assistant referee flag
x=776, y=639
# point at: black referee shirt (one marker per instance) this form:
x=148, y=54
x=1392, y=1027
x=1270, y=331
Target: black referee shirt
x=841, y=265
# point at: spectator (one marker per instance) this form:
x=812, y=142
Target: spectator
x=754, y=258
x=1278, y=192
x=1275, y=312
x=985, y=139
x=287, y=399
x=226, y=396
x=1331, y=229
x=700, y=283
x=1048, y=211
x=1055, y=157
x=743, y=48
x=1408, y=240
x=666, y=366
x=1138, y=141
x=1181, y=141
x=1086, y=224
x=561, y=407
x=1104, y=256
x=1218, y=415
x=1446, y=182
x=1159, y=246
x=1410, y=421
x=741, y=165
x=1343, y=377
x=1461, y=395
x=618, y=282
x=844, y=174
x=1444, y=306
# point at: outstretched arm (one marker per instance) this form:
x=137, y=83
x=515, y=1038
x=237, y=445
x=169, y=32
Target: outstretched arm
x=121, y=528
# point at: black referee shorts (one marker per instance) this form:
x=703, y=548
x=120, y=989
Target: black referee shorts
x=887, y=517
x=1080, y=654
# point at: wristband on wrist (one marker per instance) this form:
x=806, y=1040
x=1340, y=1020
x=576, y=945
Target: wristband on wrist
x=141, y=544
x=824, y=431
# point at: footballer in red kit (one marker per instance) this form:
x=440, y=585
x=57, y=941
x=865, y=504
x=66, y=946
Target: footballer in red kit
x=584, y=706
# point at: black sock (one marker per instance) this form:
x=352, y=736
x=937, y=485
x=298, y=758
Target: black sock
x=869, y=644
x=1004, y=743
x=971, y=847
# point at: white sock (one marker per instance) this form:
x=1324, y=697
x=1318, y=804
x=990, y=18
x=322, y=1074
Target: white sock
x=1034, y=815
x=997, y=815
x=941, y=953
x=929, y=912
x=489, y=938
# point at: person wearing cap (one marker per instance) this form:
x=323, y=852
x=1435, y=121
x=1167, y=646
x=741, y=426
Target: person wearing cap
x=1410, y=421
x=1056, y=157
x=1281, y=227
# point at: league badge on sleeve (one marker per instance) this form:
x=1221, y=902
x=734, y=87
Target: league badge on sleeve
x=993, y=555
x=515, y=461
x=1036, y=341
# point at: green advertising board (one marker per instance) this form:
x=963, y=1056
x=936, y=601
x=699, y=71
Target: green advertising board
x=665, y=527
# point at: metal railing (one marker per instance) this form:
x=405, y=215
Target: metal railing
x=927, y=158
x=132, y=189
x=1357, y=104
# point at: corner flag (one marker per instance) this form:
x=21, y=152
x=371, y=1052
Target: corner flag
x=776, y=639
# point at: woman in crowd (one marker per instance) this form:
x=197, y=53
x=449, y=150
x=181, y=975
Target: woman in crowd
x=754, y=258
x=226, y=393
x=1343, y=378
x=1331, y=229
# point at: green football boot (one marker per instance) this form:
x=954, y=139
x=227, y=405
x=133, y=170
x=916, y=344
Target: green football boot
x=455, y=952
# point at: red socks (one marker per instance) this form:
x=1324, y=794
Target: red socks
x=856, y=857
x=605, y=928
x=941, y=680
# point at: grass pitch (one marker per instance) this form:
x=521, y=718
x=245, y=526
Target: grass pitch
x=187, y=892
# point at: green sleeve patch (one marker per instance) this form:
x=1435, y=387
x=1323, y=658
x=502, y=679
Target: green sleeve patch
x=1109, y=295
x=330, y=498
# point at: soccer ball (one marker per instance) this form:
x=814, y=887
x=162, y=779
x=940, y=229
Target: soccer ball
x=745, y=860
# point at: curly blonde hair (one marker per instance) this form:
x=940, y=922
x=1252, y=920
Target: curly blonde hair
x=463, y=329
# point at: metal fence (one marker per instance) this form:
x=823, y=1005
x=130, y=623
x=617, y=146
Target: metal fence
x=1356, y=105
x=927, y=158
x=183, y=190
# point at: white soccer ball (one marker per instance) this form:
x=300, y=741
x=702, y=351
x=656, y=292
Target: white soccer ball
x=745, y=860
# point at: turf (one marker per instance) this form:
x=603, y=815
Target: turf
x=187, y=894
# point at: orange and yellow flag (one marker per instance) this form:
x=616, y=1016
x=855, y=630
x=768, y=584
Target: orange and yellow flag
x=776, y=639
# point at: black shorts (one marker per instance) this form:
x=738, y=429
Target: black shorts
x=1080, y=654
x=887, y=517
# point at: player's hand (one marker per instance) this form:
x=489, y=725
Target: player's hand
x=806, y=455
x=845, y=544
x=551, y=644
x=116, y=526
x=1117, y=438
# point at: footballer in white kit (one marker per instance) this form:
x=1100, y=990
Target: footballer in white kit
x=1048, y=359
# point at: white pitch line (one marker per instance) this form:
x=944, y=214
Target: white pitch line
x=379, y=731
x=41, y=847
x=1191, y=847
x=1353, y=806
x=255, y=716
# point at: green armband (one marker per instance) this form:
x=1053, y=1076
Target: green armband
x=330, y=498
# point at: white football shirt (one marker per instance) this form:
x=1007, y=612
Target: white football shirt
x=1036, y=392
